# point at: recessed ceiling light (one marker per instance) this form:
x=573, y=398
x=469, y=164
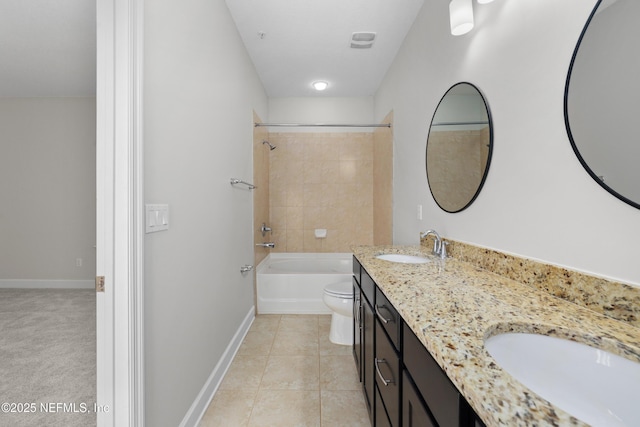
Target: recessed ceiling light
x=320, y=85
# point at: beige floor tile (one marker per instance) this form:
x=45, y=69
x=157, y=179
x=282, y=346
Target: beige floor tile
x=324, y=321
x=257, y=343
x=325, y=346
x=343, y=408
x=245, y=373
x=291, y=373
x=298, y=323
x=266, y=322
x=338, y=373
x=290, y=343
x=229, y=408
x=284, y=408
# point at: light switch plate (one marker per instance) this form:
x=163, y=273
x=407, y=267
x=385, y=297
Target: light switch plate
x=156, y=218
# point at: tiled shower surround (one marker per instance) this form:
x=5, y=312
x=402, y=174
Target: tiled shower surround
x=321, y=181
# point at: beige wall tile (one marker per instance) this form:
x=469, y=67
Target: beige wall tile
x=329, y=177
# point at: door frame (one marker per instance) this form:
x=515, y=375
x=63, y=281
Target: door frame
x=119, y=213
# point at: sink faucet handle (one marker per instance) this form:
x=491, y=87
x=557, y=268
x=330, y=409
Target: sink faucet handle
x=443, y=249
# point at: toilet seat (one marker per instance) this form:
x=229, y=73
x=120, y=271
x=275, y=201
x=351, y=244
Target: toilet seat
x=340, y=290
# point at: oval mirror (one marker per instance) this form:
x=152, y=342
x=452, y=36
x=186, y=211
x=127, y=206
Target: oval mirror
x=459, y=147
x=602, y=98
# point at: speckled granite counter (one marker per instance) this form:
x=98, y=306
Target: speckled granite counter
x=452, y=306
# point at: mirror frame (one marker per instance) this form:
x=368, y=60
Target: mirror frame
x=566, y=116
x=489, y=152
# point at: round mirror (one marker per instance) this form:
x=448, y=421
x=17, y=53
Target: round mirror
x=459, y=147
x=602, y=98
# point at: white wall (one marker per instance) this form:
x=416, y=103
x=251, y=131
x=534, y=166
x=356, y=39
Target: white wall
x=538, y=201
x=311, y=110
x=199, y=96
x=47, y=191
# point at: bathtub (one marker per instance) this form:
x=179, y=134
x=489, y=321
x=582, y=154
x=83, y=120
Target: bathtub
x=293, y=283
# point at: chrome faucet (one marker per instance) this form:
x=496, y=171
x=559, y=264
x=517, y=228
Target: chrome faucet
x=439, y=246
x=264, y=229
x=267, y=245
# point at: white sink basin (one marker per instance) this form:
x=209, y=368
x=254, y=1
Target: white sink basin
x=595, y=386
x=404, y=259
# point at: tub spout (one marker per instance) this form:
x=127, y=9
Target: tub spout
x=267, y=245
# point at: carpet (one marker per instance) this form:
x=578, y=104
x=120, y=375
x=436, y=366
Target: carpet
x=47, y=357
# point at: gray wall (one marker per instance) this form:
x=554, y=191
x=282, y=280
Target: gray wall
x=537, y=201
x=200, y=92
x=47, y=190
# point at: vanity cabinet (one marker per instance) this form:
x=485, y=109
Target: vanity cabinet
x=364, y=332
x=388, y=369
x=403, y=385
x=387, y=358
x=433, y=389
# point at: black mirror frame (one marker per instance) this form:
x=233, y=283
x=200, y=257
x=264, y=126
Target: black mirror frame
x=566, y=116
x=489, y=153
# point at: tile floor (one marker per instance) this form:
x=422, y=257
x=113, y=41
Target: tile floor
x=288, y=373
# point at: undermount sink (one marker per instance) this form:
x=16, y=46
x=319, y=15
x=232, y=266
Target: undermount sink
x=404, y=259
x=595, y=386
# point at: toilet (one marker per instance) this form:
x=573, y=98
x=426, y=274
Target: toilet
x=339, y=298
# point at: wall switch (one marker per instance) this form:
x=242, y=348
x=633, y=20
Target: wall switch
x=420, y=212
x=156, y=218
x=78, y=262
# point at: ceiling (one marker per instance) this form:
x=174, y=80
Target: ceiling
x=295, y=42
x=47, y=48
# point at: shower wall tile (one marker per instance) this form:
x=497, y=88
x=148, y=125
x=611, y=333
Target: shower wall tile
x=262, y=194
x=383, y=184
x=321, y=180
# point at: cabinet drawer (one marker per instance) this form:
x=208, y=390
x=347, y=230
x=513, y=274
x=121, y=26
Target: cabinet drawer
x=388, y=370
x=368, y=286
x=443, y=399
x=388, y=317
x=356, y=269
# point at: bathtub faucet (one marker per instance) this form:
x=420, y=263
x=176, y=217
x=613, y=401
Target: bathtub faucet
x=267, y=245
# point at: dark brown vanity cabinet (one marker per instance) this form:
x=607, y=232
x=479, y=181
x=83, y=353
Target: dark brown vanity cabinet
x=402, y=383
x=387, y=361
x=364, y=330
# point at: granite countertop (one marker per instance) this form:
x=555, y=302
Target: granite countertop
x=453, y=306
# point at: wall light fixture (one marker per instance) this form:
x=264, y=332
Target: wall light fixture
x=461, y=16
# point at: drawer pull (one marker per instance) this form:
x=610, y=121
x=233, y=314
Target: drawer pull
x=385, y=381
x=381, y=317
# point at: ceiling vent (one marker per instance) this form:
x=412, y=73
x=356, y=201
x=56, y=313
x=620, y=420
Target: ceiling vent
x=362, y=40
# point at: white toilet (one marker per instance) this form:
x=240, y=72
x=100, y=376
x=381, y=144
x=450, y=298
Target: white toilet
x=339, y=298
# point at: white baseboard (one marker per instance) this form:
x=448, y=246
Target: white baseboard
x=46, y=284
x=200, y=405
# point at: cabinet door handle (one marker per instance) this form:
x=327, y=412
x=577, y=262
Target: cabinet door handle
x=356, y=309
x=381, y=317
x=385, y=381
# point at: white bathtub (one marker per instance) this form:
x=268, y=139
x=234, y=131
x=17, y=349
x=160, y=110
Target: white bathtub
x=293, y=283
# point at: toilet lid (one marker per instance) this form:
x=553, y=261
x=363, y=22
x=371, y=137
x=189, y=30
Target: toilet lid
x=340, y=289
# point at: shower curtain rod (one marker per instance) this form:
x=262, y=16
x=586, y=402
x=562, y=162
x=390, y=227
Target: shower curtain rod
x=334, y=125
